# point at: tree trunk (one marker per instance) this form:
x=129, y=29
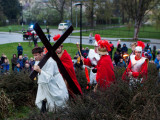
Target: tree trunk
x=92, y=13
x=61, y=16
x=136, y=30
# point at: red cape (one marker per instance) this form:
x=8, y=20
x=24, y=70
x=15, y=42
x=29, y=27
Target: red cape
x=67, y=62
x=143, y=71
x=105, y=71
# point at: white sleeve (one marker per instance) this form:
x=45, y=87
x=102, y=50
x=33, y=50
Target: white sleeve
x=47, y=73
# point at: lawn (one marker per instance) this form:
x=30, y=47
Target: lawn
x=17, y=28
x=124, y=32
x=11, y=48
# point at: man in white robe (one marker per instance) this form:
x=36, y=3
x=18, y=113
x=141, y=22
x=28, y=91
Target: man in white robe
x=51, y=86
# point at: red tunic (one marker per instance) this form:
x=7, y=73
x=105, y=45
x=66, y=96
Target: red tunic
x=142, y=71
x=87, y=62
x=67, y=62
x=105, y=71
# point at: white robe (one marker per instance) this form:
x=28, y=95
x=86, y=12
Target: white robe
x=94, y=58
x=51, y=86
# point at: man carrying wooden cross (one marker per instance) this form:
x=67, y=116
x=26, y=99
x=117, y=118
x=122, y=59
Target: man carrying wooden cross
x=51, y=86
x=51, y=91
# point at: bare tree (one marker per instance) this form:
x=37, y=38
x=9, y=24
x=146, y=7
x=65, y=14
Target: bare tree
x=58, y=5
x=136, y=10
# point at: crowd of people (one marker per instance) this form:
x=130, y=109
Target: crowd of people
x=122, y=58
x=19, y=62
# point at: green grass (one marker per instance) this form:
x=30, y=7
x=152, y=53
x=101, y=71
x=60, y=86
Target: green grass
x=11, y=48
x=131, y=40
x=16, y=28
x=20, y=112
x=124, y=32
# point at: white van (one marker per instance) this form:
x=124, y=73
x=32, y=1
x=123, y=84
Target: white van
x=62, y=26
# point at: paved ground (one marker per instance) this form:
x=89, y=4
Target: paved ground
x=6, y=37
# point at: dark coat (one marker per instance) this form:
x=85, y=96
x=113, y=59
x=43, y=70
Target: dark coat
x=20, y=50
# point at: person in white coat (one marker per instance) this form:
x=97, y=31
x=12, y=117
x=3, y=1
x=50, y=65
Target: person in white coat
x=51, y=86
x=92, y=60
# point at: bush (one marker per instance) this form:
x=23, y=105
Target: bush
x=6, y=105
x=118, y=102
x=19, y=88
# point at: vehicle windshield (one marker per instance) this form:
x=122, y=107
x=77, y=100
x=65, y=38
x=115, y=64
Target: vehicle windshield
x=60, y=24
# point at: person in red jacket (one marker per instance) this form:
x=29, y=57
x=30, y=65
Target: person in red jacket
x=68, y=64
x=105, y=70
x=138, y=65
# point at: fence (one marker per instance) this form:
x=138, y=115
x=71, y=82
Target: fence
x=121, y=31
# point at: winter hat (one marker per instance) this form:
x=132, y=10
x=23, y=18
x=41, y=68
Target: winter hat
x=103, y=47
x=140, y=46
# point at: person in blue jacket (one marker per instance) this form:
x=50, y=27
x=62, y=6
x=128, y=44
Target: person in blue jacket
x=19, y=49
x=157, y=62
x=20, y=61
x=5, y=66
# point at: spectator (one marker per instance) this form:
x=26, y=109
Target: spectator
x=35, y=41
x=119, y=42
x=116, y=57
x=90, y=38
x=27, y=68
x=19, y=50
x=20, y=61
x=25, y=58
x=2, y=58
x=31, y=62
x=49, y=37
x=150, y=55
x=83, y=50
x=86, y=51
x=17, y=68
x=124, y=48
x=147, y=47
x=146, y=55
x=154, y=52
x=158, y=51
x=5, y=66
x=14, y=61
x=121, y=63
x=47, y=29
x=157, y=62
x=112, y=48
x=119, y=49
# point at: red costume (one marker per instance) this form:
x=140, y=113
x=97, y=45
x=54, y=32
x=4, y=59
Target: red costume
x=138, y=67
x=105, y=71
x=67, y=62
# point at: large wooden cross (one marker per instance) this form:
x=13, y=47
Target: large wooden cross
x=52, y=53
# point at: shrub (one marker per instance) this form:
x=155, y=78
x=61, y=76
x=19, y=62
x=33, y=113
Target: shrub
x=6, y=105
x=118, y=102
x=19, y=88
